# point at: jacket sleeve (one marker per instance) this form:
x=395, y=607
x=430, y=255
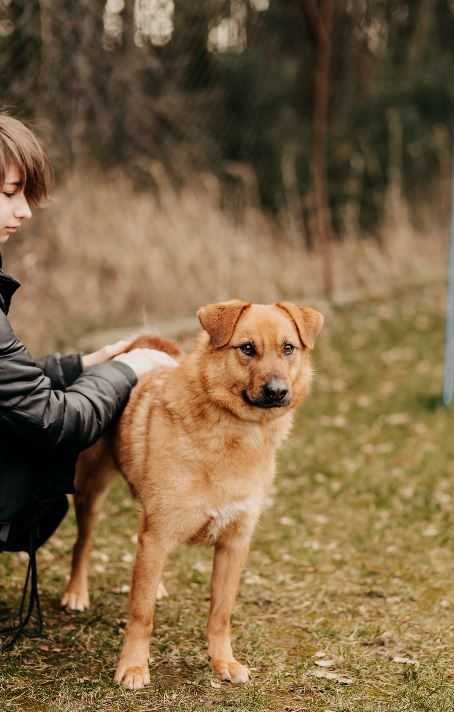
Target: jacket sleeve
x=61, y=370
x=48, y=418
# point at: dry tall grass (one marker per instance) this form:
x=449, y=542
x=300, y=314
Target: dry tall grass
x=104, y=255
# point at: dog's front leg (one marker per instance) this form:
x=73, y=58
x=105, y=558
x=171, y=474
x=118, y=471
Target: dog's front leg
x=132, y=669
x=229, y=559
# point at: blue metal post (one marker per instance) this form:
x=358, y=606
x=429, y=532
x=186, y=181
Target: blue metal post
x=448, y=378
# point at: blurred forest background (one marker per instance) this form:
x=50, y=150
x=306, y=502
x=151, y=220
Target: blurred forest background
x=227, y=148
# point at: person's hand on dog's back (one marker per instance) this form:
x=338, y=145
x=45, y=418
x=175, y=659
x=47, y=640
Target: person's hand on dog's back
x=143, y=360
x=106, y=353
x=140, y=360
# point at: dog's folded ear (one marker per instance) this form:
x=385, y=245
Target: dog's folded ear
x=219, y=320
x=308, y=322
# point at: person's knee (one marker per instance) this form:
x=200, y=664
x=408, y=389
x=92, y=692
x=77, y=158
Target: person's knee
x=32, y=527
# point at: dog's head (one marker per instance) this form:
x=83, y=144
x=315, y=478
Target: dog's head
x=256, y=359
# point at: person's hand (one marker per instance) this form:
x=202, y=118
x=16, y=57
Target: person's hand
x=106, y=353
x=143, y=360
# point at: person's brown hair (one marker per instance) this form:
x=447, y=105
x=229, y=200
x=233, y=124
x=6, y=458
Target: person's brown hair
x=20, y=147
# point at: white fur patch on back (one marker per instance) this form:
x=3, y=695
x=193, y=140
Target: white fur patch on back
x=221, y=517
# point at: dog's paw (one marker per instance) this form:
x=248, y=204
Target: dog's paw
x=75, y=599
x=134, y=677
x=230, y=670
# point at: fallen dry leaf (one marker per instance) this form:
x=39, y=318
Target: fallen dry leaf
x=398, y=419
x=201, y=567
x=404, y=661
x=430, y=531
x=124, y=588
x=325, y=663
x=331, y=675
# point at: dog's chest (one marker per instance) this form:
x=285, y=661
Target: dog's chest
x=219, y=518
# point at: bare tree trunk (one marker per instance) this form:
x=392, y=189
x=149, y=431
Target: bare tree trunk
x=87, y=100
x=71, y=71
x=425, y=15
x=320, y=19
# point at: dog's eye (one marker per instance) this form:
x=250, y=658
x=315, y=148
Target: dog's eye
x=288, y=349
x=248, y=349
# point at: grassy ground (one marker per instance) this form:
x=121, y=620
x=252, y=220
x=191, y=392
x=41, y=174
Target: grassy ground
x=347, y=603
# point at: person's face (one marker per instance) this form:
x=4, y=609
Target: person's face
x=14, y=207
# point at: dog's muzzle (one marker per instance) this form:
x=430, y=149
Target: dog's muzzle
x=274, y=394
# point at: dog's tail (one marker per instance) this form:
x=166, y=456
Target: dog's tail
x=156, y=342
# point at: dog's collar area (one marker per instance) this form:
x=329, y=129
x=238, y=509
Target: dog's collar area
x=263, y=402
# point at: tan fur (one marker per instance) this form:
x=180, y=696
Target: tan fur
x=200, y=458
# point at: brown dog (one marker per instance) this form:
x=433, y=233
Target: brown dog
x=197, y=445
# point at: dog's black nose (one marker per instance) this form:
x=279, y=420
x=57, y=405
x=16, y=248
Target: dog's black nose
x=275, y=391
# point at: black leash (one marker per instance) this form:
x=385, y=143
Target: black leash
x=31, y=582
x=41, y=524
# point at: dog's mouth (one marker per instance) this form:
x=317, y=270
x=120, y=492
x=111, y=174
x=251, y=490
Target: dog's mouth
x=265, y=401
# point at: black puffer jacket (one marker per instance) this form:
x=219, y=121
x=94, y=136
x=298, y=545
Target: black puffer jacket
x=49, y=412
